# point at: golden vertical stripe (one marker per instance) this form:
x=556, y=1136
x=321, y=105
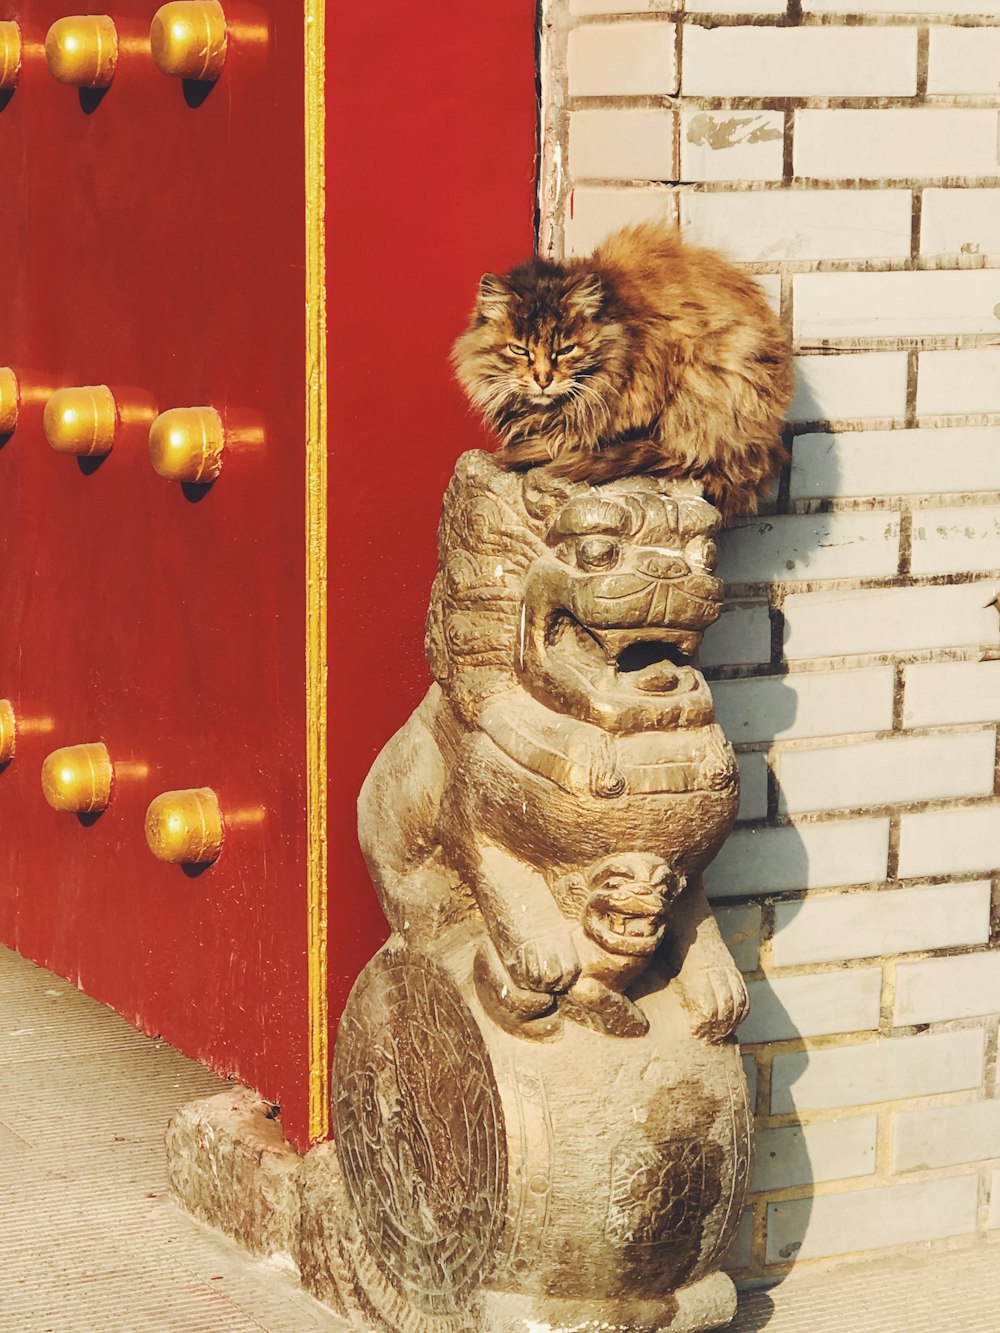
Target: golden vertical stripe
x=316, y=539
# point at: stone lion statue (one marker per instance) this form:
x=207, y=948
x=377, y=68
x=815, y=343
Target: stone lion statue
x=567, y=738
x=541, y=1120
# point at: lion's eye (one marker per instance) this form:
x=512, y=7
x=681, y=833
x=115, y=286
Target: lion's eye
x=597, y=553
x=565, y=351
x=517, y=350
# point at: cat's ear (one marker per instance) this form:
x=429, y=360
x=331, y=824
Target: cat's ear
x=584, y=297
x=494, y=296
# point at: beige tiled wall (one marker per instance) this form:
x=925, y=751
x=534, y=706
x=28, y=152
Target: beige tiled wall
x=848, y=155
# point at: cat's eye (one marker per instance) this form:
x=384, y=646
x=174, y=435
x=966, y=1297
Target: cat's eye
x=517, y=349
x=597, y=553
x=565, y=351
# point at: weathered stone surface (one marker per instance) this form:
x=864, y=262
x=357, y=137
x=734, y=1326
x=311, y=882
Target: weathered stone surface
x=541, y=1118
x=229, y=1165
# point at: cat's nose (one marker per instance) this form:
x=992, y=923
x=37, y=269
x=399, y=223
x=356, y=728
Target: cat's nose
x=543, y=378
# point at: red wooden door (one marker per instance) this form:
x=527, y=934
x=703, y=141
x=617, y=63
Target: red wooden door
x=155, y=239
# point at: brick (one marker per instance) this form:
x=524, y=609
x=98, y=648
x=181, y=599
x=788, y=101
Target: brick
x=896, y=462
x=799, y=62
x=872, y=925
x=945, y=1135
x=953, y=383
x=960, y=221
x=839, y=387
x=805, y=856
x=956, y=540
x=994, y=1222
x=821, y=703
x=740, y=637
x=869, y=305
x=621, y=60
x=896, y=7
x=753, y=787
x=739, y=1252
x=950, y=842
x=621, y=145
x=811, y=546
x=964, y=60
x=582, y=7
x=593, y=213
x=803, y=1154
x=871, y=1219
x=935, y=989
x=768, y=225
x=740, y=928
x=893, y=772
x=939, y=693
x=873, y=145
x=828, y=624
x=885, y=1070
x=786, y=1007
x=732, y=145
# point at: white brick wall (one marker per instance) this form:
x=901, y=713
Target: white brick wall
x=877, y=1072
x=813, y=1006
x=868, y=925
x=944, y=988
x=799, y=62
x=960, y=221
x=621, y=60
x=854, y=166
x=872, y=1219
x=949, y=842
x=830, y=1150
x=896, y=462
x=941, y=692
x=964, y=60
x=921, y=768
x=765, y=225
x=892, y=144
x=732, y=145
x=938, y=1136
x=803, y=856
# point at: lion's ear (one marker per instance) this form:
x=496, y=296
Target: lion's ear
x=494, y=296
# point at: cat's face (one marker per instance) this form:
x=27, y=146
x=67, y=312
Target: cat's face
x=534, y=343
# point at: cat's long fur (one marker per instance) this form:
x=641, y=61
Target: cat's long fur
x=649, y=355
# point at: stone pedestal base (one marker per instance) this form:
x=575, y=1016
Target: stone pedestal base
x=229, y=1166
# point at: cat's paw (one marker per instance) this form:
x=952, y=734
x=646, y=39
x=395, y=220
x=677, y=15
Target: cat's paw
x=547, y=963
x=716, y=999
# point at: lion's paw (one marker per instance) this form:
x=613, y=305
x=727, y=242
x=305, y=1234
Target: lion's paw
x=717, y=1000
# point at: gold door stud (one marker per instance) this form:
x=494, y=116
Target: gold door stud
x=81, y=421
x=83, y=50
x=78, y=778
x=10, y=55
x=187, y=443
x=185, y=827
x=188, y=39
x=9, y=399
x=8, y=731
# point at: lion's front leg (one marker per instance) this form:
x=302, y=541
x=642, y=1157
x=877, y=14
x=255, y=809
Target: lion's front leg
x=711, y=986
x=533, y=939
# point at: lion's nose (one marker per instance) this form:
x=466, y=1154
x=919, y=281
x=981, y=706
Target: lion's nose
x=661, y=566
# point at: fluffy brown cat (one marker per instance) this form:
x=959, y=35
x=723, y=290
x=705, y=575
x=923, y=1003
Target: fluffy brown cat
x=650, y=355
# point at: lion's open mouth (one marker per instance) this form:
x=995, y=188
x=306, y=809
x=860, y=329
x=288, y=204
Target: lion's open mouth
x=622, y=659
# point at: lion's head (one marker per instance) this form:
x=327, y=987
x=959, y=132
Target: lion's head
x=592, y=599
